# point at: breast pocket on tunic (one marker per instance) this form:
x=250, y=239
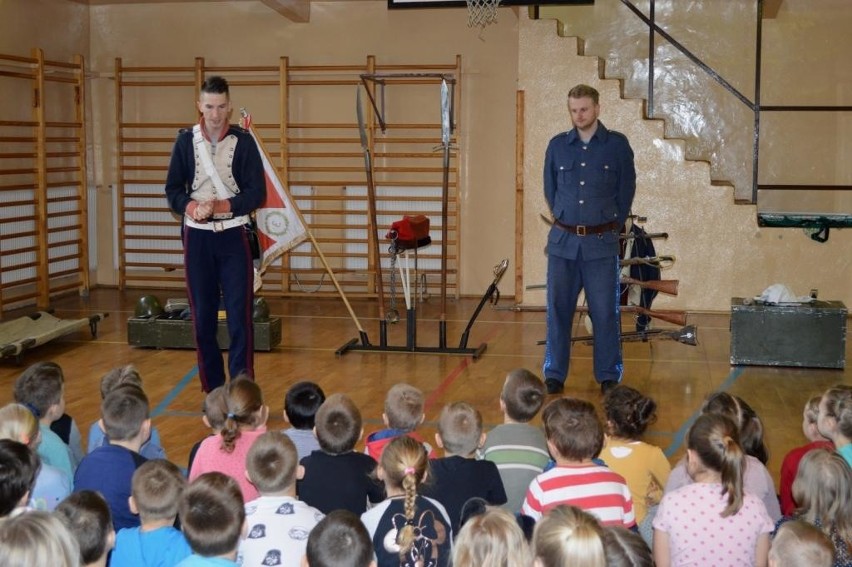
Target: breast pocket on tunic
x=566, y=186
x=608, y=177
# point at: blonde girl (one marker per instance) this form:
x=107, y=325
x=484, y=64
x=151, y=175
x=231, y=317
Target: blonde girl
x=567, y=535
x=823, y=489
x=407, y=529
x=19, y=424
x=37, y=538
x=491, y=539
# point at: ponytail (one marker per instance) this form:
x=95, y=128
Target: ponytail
x=244, y=401
x=732, y=475
x=715, y=440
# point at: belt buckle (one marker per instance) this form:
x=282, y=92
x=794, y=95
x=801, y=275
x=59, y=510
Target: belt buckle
x=581, y=230
x=218, y=226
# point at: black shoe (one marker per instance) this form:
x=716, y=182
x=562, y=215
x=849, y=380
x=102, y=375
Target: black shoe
x=608, y=385
x=554, y=386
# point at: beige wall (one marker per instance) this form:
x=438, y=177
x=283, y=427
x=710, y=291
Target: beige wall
x=721, y=252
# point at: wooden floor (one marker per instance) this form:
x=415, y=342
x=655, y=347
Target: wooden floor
x=677, y=376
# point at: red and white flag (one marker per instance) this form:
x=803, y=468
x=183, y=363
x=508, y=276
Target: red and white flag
x=279, y=226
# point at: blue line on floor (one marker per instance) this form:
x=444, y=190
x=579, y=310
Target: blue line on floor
x=680, y=434
x=170, y=397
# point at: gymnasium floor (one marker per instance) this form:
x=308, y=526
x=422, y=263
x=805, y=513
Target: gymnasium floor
x=678, y=376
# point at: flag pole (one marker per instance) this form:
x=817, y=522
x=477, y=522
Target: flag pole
x=361, y=332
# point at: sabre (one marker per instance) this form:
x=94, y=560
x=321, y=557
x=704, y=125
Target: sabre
x=669, y=287
x=662, y=262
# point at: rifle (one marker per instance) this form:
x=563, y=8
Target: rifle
x=673, y=317
x=686, y=335
x=669, y=287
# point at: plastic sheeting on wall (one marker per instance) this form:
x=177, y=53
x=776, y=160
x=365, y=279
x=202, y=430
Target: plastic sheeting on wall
x=716, y=124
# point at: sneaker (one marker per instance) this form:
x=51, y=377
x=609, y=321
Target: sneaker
x=608, y=385
x=554, y=386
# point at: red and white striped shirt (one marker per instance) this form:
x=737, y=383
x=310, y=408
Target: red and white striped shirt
x=593, y=488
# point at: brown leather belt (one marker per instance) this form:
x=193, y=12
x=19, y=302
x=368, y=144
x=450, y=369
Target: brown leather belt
x=582, y=230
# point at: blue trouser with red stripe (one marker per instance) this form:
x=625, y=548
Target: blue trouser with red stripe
x=219, y=265
x=599, y=279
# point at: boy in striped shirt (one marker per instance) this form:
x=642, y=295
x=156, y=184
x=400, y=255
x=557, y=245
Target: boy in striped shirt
x=518, y=448
x=575, y=436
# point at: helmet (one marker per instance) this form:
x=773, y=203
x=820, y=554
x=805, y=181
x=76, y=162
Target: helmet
x=148, y=307
x=260, y=312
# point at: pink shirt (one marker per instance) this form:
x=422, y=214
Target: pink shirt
x=211, y=457
x=756, y=480
x=699, y=535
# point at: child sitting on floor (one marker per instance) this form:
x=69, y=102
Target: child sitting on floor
x=575, y=437
x=86, y=515
x=336, y=476
x=212, y=515
x=407, y=529
x=339, y=540
x=712, y=521
x=278, y=523
x=644, y=467
x=458, y=476
x=52, y=486
x=110, y=468
x=402, y=416
x=156, y=491
x=18, y=470
x=301, y=404
x=41, y=388
x=152, y=448
x=756, y=477
x=518, y=448
x=790, y=464
x=835, y=419
x=244, y=423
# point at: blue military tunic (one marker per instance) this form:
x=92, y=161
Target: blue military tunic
x=586, y=184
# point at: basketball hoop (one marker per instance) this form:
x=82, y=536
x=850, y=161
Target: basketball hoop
x=481, y=12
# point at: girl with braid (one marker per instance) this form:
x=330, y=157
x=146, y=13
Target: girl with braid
x=712, y=521
x=407, y=530
x=226, y=452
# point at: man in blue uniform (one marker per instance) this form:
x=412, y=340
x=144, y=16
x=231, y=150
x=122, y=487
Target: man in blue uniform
x=215, y=181
x=589, y=183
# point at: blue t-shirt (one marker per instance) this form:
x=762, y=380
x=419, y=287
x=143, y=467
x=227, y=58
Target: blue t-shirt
x=199, y=561
x=55, y=452
x=162, y=547
x=109, y=470
x=846, y=452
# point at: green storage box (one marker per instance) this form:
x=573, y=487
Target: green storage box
x=177, y=333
